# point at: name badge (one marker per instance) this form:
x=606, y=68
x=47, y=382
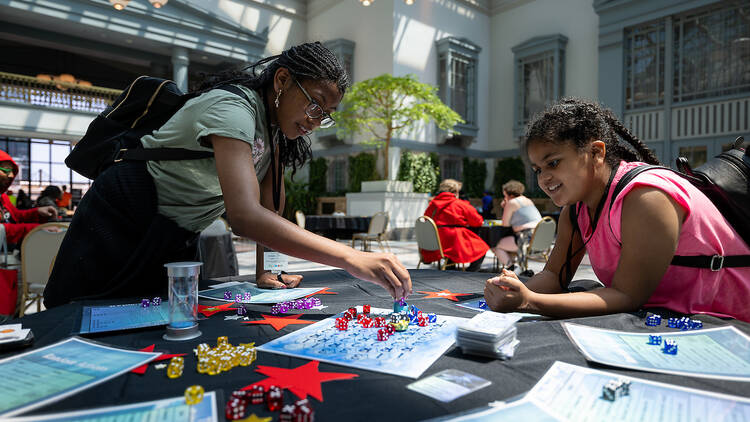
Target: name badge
x=274, y=261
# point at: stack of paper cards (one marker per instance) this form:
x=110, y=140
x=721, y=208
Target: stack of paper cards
x=489, y=334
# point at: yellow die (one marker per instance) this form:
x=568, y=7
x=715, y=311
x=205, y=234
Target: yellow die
x=194, y=394
x=174, y=371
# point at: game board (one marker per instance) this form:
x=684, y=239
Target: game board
x=408, y=353
x=258, y=295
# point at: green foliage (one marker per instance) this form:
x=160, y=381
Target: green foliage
x=298, y=197
x=387, y=104
x=419, y=169
x=318, y=173
x=361, y=169
x=509, y=169
x=435, y=161
x=475, y=173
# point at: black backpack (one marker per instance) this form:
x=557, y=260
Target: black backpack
x=725, y=180
x=115, y=134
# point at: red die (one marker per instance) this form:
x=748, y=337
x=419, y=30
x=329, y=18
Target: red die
x=348, y=316
x=353, y=311
x=390, y=328
x=342, y=324
x=235, y=409
x=303, y=412
x=287, y=413
x=360, y=317
x=256, y=394
x=422, y=321
x=366, y=322
x=383, y=334
x=366, y=309
x=241, y=394
x=379, y=322
x=274, y=398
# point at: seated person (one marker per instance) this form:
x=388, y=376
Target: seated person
x=65, y=199
x=452, y=216
x=17, y=223
x=575, y=150
x=520, y=214
x=49, y=197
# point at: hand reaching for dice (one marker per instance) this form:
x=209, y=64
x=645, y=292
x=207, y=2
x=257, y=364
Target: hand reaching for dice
x=270, y=280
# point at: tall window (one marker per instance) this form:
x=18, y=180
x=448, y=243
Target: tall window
x=337, y=174
x=644, y=66
x=450, y=168
x=457, y=80
x=539, y=74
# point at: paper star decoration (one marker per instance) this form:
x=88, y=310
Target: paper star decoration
x=254, y=418
x=325, y=291
x=279, y=322
x=445, y=294
x=164, y=356
x=301, y=381
x=210, y=310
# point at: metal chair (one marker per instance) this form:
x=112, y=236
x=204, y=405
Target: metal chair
x=541, y=241
x=300, y=216
x=38, y=252
x=375, y=232
x=428, y=239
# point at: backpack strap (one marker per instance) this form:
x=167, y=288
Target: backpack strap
x=172, y=154
x=714, y=262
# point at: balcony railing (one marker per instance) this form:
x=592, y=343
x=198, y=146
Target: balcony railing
x=55, y=94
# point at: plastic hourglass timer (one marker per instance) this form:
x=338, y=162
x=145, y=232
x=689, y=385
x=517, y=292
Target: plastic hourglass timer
x=183, y=300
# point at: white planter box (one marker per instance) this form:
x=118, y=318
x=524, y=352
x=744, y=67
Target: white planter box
x=403, y=208
x=387, y=186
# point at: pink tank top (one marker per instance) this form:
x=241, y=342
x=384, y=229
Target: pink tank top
x=704, y=232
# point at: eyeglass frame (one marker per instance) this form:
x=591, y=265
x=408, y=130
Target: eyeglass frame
x=324, y=116
x=7, y=171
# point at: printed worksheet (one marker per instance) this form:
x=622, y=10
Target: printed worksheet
x=257, y=295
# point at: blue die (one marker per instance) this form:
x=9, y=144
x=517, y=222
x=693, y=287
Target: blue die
x=482, y=304
x=673, y=323
x=670, y=347
x=696, y=324
x=655, y=340
x=653, y=320
x=156, y=301
x=684, y=324
x=431, y=318
x=400, y=305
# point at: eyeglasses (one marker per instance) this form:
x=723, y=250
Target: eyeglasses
x=315, y=111
x=7, y=171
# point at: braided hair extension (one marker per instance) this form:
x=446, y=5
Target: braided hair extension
x=309, y=61
x=578, y=121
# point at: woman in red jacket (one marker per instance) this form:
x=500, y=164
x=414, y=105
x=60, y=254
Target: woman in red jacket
x=452, y=216
x=17, y=222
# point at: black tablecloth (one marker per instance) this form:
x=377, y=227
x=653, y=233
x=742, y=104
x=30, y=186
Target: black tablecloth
x=337, y=227
x=492, y=234
x=372, y=396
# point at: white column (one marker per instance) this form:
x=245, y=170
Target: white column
x=180, y=63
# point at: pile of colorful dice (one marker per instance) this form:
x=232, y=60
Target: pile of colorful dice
x=398, y=321
x=239, y=297
x=176, y=365
x=304, y=303
x=237, y=406
x=683, y=323
x=224, y=356
x=145, y=303
x=615, y=388
x=670, y=346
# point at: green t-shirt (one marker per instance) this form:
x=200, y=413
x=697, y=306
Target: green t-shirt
x=188, y=191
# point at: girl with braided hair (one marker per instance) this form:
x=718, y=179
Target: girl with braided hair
x=138, y=215
x=631, y=238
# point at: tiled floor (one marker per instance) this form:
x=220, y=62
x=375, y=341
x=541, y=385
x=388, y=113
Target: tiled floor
x=405, y=250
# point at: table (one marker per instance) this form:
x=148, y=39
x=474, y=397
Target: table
x=492, y=234
x=337, y=227
x=378, y=396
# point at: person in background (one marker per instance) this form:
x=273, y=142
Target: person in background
x=23, y=201
x=452, y=216
x=17, y=223
x=12, y=197
x=519, y=213
x=487, y=206
x=49, y=196
x=66, y=198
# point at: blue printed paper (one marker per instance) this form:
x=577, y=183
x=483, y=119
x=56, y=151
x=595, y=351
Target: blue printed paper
x=99, y=319
x=258, y=295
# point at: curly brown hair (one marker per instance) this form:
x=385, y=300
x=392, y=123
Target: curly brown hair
x=579, y=121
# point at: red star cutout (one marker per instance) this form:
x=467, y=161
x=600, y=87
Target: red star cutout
x=301, y=381
x=279, y=322
x=210, y=310
x=445, y=294
x=325, y=291
x=164, y=356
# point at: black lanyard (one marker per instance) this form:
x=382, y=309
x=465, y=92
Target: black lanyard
x=273, y=134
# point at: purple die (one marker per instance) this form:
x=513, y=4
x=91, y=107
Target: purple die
x=275, y=309
x=653, y=320
x=227, y=295
x=156, y=301
x=315, y=301
x=238, y=298
x=241, y=310
x=246, y=297
x=145, y=303
x=431, y=318
x=670, y=347
x=655, y=340
x=673, y=323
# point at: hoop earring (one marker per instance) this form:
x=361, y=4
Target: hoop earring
x=276, y=101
